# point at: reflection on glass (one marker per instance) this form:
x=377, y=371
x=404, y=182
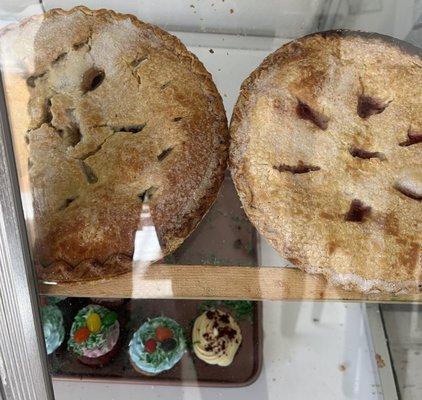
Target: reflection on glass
x=147, y=247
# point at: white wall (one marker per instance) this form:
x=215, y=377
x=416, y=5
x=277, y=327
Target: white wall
x=390, y=17
x=287, y=18
x=271, y=18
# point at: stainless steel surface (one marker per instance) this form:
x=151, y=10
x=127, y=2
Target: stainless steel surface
x=2, y=397
x=23, y=362
x=378, y=337
x=403, y=326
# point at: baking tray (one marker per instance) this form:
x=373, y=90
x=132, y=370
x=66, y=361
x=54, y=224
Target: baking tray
x=225, y=236
x=190, y=370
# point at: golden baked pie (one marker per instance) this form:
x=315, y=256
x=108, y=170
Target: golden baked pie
x=114, y=111
x=326, y=155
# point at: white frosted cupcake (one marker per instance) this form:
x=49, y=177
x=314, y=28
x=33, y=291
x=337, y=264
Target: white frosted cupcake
x=53, y=327
x=216, y=337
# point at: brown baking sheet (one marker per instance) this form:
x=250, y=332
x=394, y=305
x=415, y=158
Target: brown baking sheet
x=190, y=371
x=225, y=236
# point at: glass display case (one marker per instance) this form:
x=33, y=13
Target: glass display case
x=208, y=199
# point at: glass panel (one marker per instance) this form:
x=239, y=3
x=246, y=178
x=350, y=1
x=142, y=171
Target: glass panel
x=150, y=264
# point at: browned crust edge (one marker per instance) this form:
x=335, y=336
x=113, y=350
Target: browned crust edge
x=118, y=264
x=239, y=143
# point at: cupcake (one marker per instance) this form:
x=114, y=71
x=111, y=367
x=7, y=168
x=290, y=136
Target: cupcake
x=94, y=335
x=53, y=327
x=157, y=346
x=216, y=337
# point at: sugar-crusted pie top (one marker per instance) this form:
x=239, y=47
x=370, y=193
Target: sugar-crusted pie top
x=326, y=155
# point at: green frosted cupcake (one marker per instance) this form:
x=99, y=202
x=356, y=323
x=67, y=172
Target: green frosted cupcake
x=94, y=336
x=157, y=346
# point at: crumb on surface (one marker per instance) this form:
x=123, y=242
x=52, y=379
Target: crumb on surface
x=231, y=11
x=211, y=51
x=237, y=244
x=379, y=360
x=342, y=367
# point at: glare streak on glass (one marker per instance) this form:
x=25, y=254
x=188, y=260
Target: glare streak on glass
x=147, y=247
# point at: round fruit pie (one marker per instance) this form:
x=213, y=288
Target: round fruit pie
x=326, y=156
x=116, y=113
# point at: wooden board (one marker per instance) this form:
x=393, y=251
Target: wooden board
x=219, y=282
x=190, y=370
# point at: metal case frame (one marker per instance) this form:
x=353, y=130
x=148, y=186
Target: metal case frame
x=23, y=363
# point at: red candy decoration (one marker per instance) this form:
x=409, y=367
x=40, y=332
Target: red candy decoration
x=81, y=335
x=150, y=345
x=162, y=333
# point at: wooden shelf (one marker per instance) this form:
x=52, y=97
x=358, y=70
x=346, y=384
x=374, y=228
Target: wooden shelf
x=218, y=282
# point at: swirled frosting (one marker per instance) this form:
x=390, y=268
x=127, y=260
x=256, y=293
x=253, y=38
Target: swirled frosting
x=216, y=337
x=52, y=321
x=160, y=360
